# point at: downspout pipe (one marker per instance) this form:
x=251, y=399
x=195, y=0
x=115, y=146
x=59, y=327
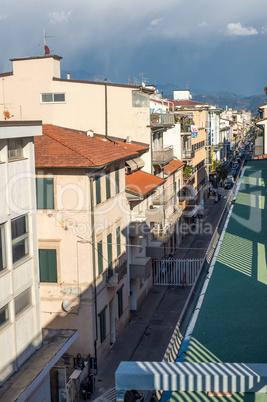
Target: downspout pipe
x=91, y=178
x=106, y=108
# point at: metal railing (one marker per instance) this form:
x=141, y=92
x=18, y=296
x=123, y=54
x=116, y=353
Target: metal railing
x=163, y=155
x=159, y=119
x=116, y=272
x=188, y=154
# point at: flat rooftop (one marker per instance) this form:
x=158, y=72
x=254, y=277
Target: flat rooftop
x=231, y=326
x=30, y=374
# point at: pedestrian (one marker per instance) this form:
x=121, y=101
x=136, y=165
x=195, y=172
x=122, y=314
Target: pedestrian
x=79, y=362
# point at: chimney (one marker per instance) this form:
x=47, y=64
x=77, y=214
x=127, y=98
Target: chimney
x=68, y=76
x=90, y=133
x=128, y=139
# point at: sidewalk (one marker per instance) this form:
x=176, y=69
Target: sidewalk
x=147, y=335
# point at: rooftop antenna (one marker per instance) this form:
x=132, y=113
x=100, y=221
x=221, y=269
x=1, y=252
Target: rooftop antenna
x=46, y=48
x=187, y=85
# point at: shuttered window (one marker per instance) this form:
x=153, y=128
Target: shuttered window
x=102, y=323
x=45, y=193
x=23, y=301
x=118, y=235
x=98, y=189
x=109, y=241
x=107, y=184
x=117, y=180
x=48, y=265
x=100, y=257
x=120, y=301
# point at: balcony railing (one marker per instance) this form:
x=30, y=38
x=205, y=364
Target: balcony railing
x=188, y=154
x=164, y=231
x=162, y=119
x=164, y=155
x=164, y=197
x=116, y=272
x=186, y=128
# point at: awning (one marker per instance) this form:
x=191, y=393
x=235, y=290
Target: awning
x=135, y=164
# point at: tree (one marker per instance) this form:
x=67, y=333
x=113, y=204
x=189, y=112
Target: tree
x=222, y=172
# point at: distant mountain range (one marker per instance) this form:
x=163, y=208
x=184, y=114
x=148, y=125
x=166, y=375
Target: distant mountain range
x=220, y=98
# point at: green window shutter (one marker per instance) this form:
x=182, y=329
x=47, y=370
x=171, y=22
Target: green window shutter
x=45, y=193
x=109, y=239
x=102, y=319
x=175, y=192
x=98, y=189
x=48, y=265
x=117, y=180
x=118, y=235
x=107, y=184
x=120, y=302
x=100, y=257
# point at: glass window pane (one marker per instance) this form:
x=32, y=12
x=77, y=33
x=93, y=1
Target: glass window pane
x=2, y=249
x=20, y=249
x=18, y=227
x=59, y=97
x=47, y=97
x=4, y=315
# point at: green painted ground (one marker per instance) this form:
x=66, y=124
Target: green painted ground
x=232, y=323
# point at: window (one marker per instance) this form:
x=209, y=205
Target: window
x=120, y=301
x=45, y=193
x=53, y=98
x=23, y=301
x=4, y=315
x=117, y=180
x=118, y=236
x=20, y=238
x=109, y=241
x=100, y=257
x=15, y=148
x=102, y=321
x=2, y=248
x=48, y=265
x=107, y=184
x=98, y=189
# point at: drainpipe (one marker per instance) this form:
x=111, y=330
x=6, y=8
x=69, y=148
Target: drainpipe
x=106, y=108
x=94, y=261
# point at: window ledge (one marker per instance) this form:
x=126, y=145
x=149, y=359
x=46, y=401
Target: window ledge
x=16, y=159
x=22, y=261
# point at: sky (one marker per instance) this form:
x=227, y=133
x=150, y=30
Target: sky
x=208, y=45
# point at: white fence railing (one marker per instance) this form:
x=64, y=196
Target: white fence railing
x=176, y=272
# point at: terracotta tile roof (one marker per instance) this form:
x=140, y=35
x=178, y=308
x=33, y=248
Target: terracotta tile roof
x=63, y=147
x=133, y=146
x=264, y=156
x=172, y=166
x=187, y=103
x=141, y=183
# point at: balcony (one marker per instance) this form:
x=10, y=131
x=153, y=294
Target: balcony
x=154, y=214
x=117, y=271
x=155, y=249
x=163, y=232
x=141, y=267
x=139, y=229
x=186, y=129
x=163, y=155
x=161, y=119
x=164, y=197
x=188, y=154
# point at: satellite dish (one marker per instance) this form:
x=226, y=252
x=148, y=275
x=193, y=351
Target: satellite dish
x=46, y=49
x=66, y=306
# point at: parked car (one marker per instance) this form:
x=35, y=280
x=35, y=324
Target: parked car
x=228, y=183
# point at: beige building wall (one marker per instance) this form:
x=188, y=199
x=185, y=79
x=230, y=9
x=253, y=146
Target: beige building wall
x=84, y=106
x=68, y=229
